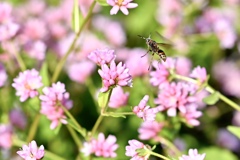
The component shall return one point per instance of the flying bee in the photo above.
(153, 47)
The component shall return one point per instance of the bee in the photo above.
(153, 47)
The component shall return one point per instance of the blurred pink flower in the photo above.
(51, 100)
(183, 66)
(79, 72)
(123, 5)
(18, 118)
(138, 66)
(193, 155)
(31, 152)
(102, 56)
(170, 14)
(8, 30)
(111, 31)
(225, 33)
(101, 147)
(6, 133)
(174, 96)
(5, 12)
(27, 83)
(199, 73)
(35, 29)
(145, 112)
(118, 98)
(115, 75)
(199, 98)
(36, 7)
(228, 74)
(36, 49)
(149, 129)
(131, 150)
(160, 76)
(3, 75)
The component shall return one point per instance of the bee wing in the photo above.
(164, 38)
(166, 45)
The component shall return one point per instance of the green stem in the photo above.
(80, 129)
(33, 128)
(20, 61)
(114, 114)
(210, 90)
(170, 145)
(71, 48)
(99, 120)
(158, 155)
(74, 136)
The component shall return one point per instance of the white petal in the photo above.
(114, 10)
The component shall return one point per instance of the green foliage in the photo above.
(218, 153)
(211, 99)
(234, 130)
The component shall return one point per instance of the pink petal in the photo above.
(111, 2)
(131, 5)
(114, 10)
(124, 10)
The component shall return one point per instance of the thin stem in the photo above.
(74, 136)
(99, 120)
(114, 114)
(166, 142)
(20, 61)
(80, 129)
(33, 128)
(211, 90)
(71, 48)
(158, 155)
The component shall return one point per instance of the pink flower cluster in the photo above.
(114, 75)
(27, 84)
(8, 28)
(177, 97)
(54, 97)
(31, 152)
(118, 98)
(192, 155)
(101, 147)
(150, 129)
(102, 56)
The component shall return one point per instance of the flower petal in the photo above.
(114, 10)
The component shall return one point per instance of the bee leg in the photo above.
(145, 54)
(151, 61)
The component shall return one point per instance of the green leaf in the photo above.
(211, 99)
(218, 154)
(44, 74)
(103, 98)
(234, 130)
(102, 2)
(56, 130)
(77, 17)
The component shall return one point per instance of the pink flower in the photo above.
(102, 56)
(8, 30)
(6, 134)
(27, 84)
(160, 76)
(192, 155)
(118, 98)
(79, 72)
(51, 100)
(183, 66)
(174, 96)
(5, 12)
(145, 112)
(123, 5)
(36, 49)
(31, 152)
(131, 150)
(115, 75)
(149, 129)
(101, 147)
(190, 114)
(199, 73)
(3, 75)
